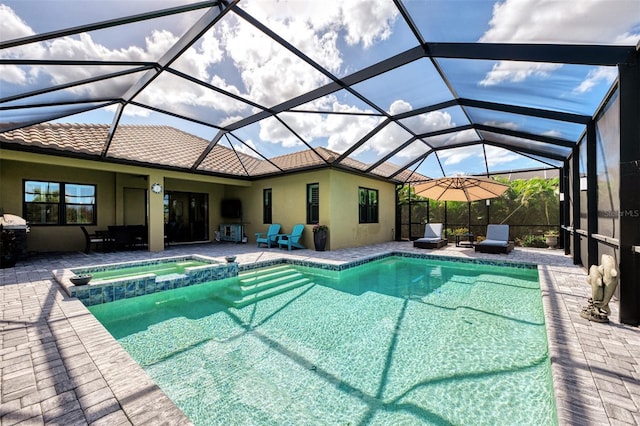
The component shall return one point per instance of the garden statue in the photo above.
(603, 280)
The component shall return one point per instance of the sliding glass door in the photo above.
(186, 216)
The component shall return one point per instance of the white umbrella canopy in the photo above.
(460, 188)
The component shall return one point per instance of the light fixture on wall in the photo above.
(562, 196)
(156, 188)
(583, 183)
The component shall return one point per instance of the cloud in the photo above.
(502, 124)
(553, 133)
(367, 21)
(583, 22)
(420, 124)
(456, 156)
(12, 26)
(247, 147)
(450, 139)
(516, 72)
(496, 156)
(272, 74)
(346, 130)
(341, 131)
(132, 110)
(600, 74)
(260, 69)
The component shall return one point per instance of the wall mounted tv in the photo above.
(231, 209)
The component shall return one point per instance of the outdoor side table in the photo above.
(465, 240)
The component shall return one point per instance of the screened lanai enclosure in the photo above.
(402, 91)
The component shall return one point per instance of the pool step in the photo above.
(254, 286)
(250, 279)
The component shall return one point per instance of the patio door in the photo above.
(186, 216)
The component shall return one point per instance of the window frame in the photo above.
(62, 205)
(367, 212)
(313, 208)
(267, 206)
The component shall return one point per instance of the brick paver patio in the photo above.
(58, 365)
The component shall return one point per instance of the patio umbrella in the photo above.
(461, 188)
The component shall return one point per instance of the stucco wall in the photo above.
(110, 189)
(338, 207)
(346, 231)
(338, 201)
(55, 238)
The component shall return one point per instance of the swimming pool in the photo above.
(395, 341)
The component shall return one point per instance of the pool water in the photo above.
(164, 268)
(396, 341)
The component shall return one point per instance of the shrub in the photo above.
(533, 241)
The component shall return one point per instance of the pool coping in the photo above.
(372, 258)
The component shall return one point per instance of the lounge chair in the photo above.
(497, 240)
(432, 237)
(269, 238)
(292, 240)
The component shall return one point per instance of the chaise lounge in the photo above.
(497, 240)
(432, 237)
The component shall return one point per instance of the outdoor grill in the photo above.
(18, 225)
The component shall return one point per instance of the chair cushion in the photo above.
(429, 240)
(433, 230)
(488, 242)
(498, 232)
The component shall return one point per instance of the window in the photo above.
(266, 206)
(368, 208)
(55, 203)
(313, 203)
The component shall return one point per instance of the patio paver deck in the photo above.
(58, 365)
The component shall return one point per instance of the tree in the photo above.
(533, 195)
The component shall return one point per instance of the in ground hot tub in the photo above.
(117, 281)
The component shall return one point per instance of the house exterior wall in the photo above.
(289, 203)
(50, 237)
(338, 196)
(348, 232)
(338, 200)
(110, 180)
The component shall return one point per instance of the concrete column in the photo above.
(156, 212)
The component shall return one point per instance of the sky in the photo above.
(343, 37)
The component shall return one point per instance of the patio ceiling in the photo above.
(395, 89)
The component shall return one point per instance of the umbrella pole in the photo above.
(469, 221)
(445, 218)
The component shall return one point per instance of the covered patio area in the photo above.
(59, 364)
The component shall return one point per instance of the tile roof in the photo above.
(168, 146)
(81, 138)
(164, 145)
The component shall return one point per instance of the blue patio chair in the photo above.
(269, 238)
(292, 240)
(497, 240)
